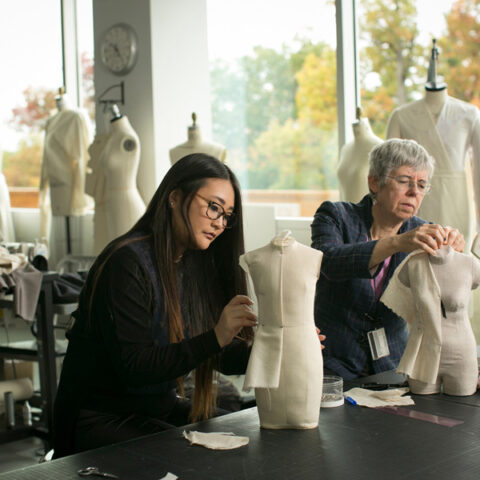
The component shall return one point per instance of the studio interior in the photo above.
(240, 239)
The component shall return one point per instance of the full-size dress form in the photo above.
(7, 232)
(95, 186)
(286, 363)
(119, 160)
(65, 156)
(353, 166)
(448, 129)
(432, 292)
(196, 144)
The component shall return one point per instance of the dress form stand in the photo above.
(196, 144)
(286, 363)
(449, 129)
(62, 181)
(353, 165)
(432, 292)
(114, 161)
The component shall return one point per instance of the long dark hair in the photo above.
(213, 276)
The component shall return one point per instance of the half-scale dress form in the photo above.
(286, 363)
(431, 293)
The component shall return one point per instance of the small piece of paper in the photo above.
(216, 440)
(382, 398)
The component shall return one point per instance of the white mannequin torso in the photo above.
(196, 144)
(441, 348)
(284, 275)
(353, 166)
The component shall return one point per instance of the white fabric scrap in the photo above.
(169, 476)
(382, 398)
(216, 440)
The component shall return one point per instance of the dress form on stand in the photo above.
(449, 129)
(196, 144)
(64, 164)
(353, 165)
(114, 161)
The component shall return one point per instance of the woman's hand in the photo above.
(454, 238)
(236, 315)
(320, 337)
(428, 237)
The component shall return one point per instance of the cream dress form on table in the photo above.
(7, 232)
(353, 166)
(449, 129)
(95, 186)
(65, 156)
(120, 160)
(432, 292)
(195, 144)
(286, 363)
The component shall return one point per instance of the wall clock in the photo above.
(119, 49)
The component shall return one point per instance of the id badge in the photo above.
(378, 343)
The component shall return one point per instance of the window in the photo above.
(395, 40)
(274, 105)
(36, 74)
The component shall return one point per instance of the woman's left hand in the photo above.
(454, 238)
(320, 337)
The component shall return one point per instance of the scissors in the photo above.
(85, 472)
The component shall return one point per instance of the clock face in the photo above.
(119, 49)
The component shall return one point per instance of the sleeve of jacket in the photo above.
(336, 232)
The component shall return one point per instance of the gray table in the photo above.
(351, 443)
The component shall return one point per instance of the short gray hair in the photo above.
(395, 153)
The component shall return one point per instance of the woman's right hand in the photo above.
(428, 237)
(236, 315)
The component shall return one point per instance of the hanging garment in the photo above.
(62, 178)
(432, 294)
(449, 140)
(286, 364)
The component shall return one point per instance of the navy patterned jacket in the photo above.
(345, 304)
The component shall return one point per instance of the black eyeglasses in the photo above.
(405, 182)
(215, 211)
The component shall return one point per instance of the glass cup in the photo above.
(332, 395)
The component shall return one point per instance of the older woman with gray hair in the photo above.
(362, 244)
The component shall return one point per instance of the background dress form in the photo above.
(120, 159)
(286, 364)
(95, 186)
(432, 293)
(195, 144)
(7, 232)
(353, 166)
(64, 163)
(449, 139)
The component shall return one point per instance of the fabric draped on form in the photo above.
(449, 140)
(432, 294)
(286, 366)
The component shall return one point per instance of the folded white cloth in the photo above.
(216, 440)
(381, 398)
(169, 476)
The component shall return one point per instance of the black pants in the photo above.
(98, 429)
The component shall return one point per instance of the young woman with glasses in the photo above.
(165, 298)
(362, 244)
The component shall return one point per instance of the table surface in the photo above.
(351, 442)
